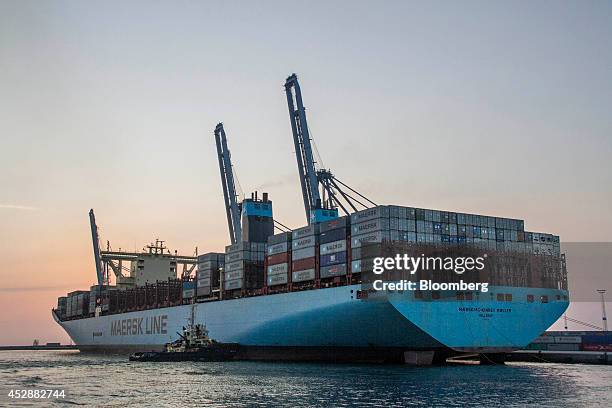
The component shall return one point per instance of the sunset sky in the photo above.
(496, 108)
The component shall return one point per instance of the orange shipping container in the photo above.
(278, 258)
(308, 263)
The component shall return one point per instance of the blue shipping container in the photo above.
(189, 285)
(333, 235)
(333, 259)
(597, 339)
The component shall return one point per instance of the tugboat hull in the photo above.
(218, 352)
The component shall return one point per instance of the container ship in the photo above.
(307, 294)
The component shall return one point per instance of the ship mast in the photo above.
(192, 314)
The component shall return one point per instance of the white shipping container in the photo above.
(564, 347)
(568, 339)
(544, 339)
(303, 276)
(203, 282)
(211, 256)
(238, 256)
(408, 236)
(402, 212)
(258, 246)
(374, 237)
(207, 265)
(240, 246)
(369, 226)
(278, 248)
(77, 306)
(80, 304)
(277, 280)
(278, 269)
(305, 231)
(232, 266)
(371, 213)
(304, 242)
(333, 247)
(278, 238)
(394, 223)
(333, 270)
(232, 284)
(303, 253)
(361, 265)
(233, 275)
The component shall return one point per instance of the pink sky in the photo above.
(501, 109)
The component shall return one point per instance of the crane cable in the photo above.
(318, 158)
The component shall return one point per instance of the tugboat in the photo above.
(193, 345)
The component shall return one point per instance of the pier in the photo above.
(41, 347)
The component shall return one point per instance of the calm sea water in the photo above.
(113, 381)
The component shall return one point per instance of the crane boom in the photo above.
(232, 207)
(96, 247)
(320, 206)
(303, 147)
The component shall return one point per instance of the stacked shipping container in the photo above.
(304, 253)
(77, 303)
(189, 290)
(208, 275)
(61, 305)
(573, 341)
(327, 250)
(430, 226)
(278, 259)
(334, 242)
(244, 266)
(368, 227)
(94, 295)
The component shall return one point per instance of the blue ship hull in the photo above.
(332, 323)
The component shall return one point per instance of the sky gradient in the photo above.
(497, 108)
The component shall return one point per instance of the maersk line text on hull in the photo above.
(134, 326)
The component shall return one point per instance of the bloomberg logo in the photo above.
(140, 325)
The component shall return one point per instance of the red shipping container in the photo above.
(302, 264)
(278, 258)
(597, 347)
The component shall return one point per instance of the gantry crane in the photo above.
(319, 206)
(95, 239)
(114, 259)
(232, 206)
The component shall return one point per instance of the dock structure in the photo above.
(586, 347)
(41, 347)
(564, 357)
